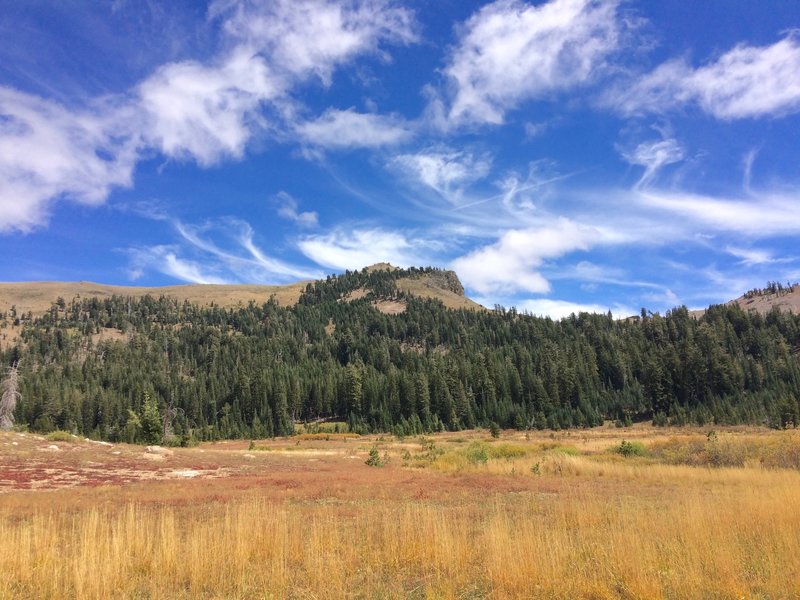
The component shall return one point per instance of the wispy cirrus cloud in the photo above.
(756, 256)
(766, 215)
(653, 155)
(219, 251)
(288, 208)
(444, 170)
(745, 82)
(348, 129)
(165, 259)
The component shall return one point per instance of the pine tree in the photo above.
(150, 420)
(354, 388)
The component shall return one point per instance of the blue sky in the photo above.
(560, 156)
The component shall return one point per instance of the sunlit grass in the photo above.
(562, 521)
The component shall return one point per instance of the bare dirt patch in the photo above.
(390, 307)
(29, 462)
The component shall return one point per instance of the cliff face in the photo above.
(446, 280)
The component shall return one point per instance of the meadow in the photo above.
(636, 512)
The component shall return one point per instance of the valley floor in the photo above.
(638, 512)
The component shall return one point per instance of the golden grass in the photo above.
(537, 518)
(578, 545)
(38, 296)
(423, 288)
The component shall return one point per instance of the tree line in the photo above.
(254, 371)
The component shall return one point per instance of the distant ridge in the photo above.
(37, 297)
(784, 298)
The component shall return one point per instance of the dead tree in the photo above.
(9, 394)
(167, 431)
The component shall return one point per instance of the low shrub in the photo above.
(628, 449)
(560, 449)
(60, 436)
(476, 453)
(375, 459)
(506, 451)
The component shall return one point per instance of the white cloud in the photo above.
(593, 273)
(753, 256)
(747, 168)
(351, 129)
(165, 260)
(763, 216)
(559, 309)
(206, 113)
(359, 248)
(521, 195)
(223, 251)
(665, 298)
(306, 38)
(652, 156)
(49, 152)
(448, 172)
(201, 111)
(745, 82)
(511, 264)
(252, 265)
(533, 130)
(288, 209)
(510, 52)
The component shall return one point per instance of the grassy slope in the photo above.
(37, 296)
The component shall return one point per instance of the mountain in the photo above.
(37, 297)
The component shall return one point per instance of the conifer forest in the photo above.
(189, 373)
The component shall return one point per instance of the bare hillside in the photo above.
(787, 300)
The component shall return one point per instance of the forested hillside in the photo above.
(209, 372)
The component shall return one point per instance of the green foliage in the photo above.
(150, 421)
(494, 429)
(375, 459)
(628, 449)
(132, 429)
(506, 451)
(476, 453)
(660, 419)
(253, 372)
(428, 453)
(60, 436)
(568, 450)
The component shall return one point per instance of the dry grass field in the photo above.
(669, 513)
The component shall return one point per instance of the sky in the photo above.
(560, 156)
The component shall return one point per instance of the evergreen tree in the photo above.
(150, 421)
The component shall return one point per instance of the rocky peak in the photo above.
(446, 280)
